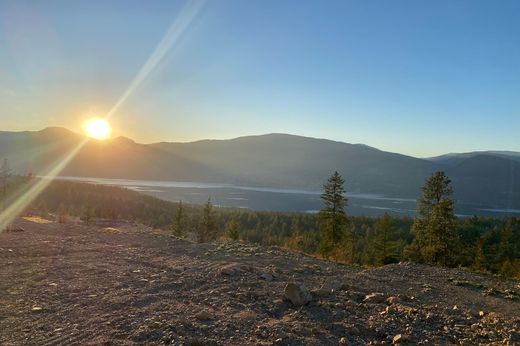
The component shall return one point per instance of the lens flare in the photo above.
(100, 128)
(97, 128)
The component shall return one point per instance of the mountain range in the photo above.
(490, 178)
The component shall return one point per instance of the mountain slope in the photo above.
(286, 160)
(487, 180)
(275, 160)
(456, 158)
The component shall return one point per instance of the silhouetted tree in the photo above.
(435, 227)
(179, 221)
(333, 219)
(206, 231)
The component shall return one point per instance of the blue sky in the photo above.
(416, 77)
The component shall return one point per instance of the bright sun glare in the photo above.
(97, 128)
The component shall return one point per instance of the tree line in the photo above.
(435, 236)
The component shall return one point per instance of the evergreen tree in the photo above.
(385, 243)
(88, 216)
(435, 227)
(207, 230)
(333, 219)
(232, 229)
(179, 222)
(62, 214)
(5, 174)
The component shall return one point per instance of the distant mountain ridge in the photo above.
(274, 160)
(456, 158)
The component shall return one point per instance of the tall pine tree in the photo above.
(435, 227)
(333, 219)
(386, 244)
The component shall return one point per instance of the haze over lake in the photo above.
(278, 199)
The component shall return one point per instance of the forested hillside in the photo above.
(483, 244)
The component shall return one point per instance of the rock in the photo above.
(514, 339)
(392, 300)
(266, 277)
(356, 296)
(297, 293)
(374, 298)
(204, 316)
(262, 332)
(231, 269)
(354, 330)
(398, 339)
(331, 285)
(319, 293)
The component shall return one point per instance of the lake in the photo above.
(278, 199)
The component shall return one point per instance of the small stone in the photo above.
(297, 293)
(397, 339)
(343, 341)
(266, 277)
(231, 269)
(227, 271)
(514, 339)
(203, 316)
(374, 298)
(392, 300)
(481, 314)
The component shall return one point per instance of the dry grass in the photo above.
(37, 219)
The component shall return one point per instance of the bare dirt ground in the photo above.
(73, 284)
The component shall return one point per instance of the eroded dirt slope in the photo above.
(72, 284)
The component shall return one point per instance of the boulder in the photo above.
(297, 293)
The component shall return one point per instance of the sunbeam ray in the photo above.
(177, 28)
(14, 209)
(175, 31)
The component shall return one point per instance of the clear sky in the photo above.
(416, 77)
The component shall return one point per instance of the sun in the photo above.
(97, 128)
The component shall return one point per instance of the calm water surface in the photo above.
(277, 199)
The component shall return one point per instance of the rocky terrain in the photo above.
(127, 284)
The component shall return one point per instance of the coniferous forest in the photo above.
(435, 236)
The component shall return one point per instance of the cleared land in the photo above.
(73, 284)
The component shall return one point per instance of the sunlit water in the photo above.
(277, 199)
